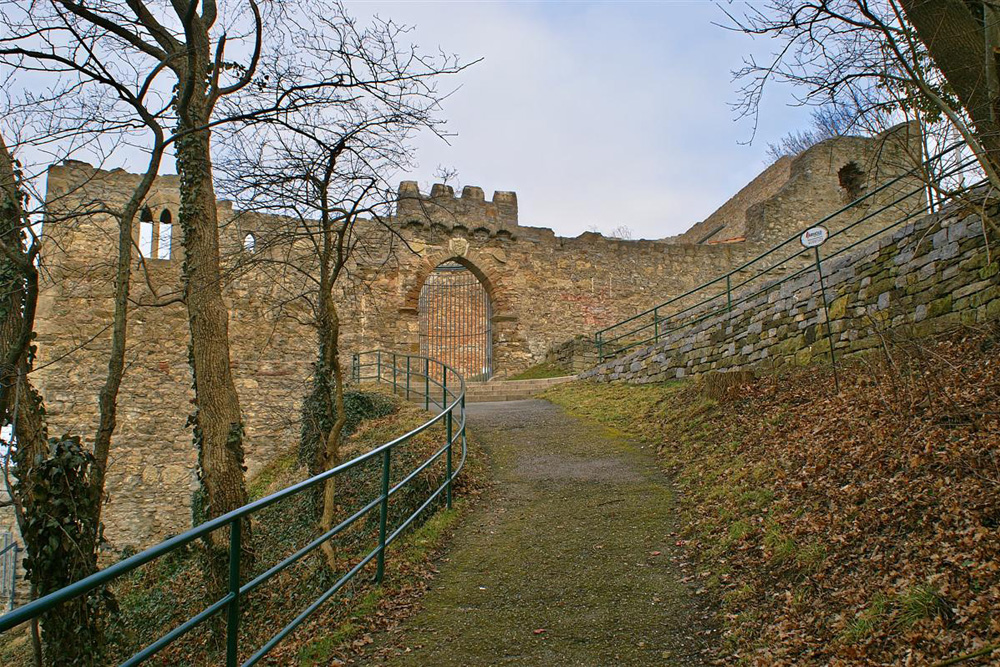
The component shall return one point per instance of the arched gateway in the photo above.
(455, 313)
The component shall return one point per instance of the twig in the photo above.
(986, 650)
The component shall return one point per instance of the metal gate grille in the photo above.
(455, 321)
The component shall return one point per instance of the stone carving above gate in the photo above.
(458, 246)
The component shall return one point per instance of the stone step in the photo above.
(495, 390)
(510, 390)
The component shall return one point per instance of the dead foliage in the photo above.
(859, 528)
(726, 387)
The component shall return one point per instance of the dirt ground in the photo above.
(570, 561)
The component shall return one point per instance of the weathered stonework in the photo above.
(795, 192)
(928, 275)
(544, 291)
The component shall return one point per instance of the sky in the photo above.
(597, 114)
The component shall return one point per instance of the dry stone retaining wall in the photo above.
(928, 275)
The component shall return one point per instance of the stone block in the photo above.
(939, 307)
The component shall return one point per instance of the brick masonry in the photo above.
(927, 276)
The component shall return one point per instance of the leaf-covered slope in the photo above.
(843, 529)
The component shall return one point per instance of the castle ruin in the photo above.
(538, 290)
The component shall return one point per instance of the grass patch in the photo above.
(167, 591)
(921, 602)
(781, 546)
(811, 557)
(863, 626)
(738, 530)
(542, 371)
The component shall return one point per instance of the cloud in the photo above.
(601, 114)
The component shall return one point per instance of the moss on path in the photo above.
(569, 562)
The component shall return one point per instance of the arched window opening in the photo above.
(852, 180)
(165, 236)
(250, 243)
(455, 321)
(146, 232)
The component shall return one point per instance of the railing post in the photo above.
(233, 612)
(13, 577)
(378, 364)
(427, 384)
(826, 311)
(393, 373)
(444, 386)
(600, 346)
(356, 368)
(464, 444)
(383, 518)
(656, 325)
(729, 295)
(407, 377)
(448, 425)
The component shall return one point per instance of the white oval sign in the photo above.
(814, 236)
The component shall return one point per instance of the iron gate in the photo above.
(455, 326)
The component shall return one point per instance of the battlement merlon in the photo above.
(441, 206)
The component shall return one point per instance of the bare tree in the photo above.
(623, 232)
(59, 490)
(83, 102)
(326, 169)
(826, 123)
(867, 57)
(178, 54)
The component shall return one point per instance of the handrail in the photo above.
(646, 329)
(452, 401)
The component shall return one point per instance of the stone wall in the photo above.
(927, 275)
(544, 290)
(796, 192)
(575, 355)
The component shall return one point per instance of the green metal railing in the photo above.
(450, 401)
(761, 274)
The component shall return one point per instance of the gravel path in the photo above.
(568, 562)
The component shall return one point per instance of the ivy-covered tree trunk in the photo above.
(61, 530)
(324, 415)
(218, 427)
(56, 502)
(330, 349)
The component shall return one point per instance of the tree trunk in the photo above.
(108, 398)
(20, 404)
(331, 449)
(958, 42)
(218, 428)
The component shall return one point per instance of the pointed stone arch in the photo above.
(455, 320)
(505, 328)
(471, 260)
